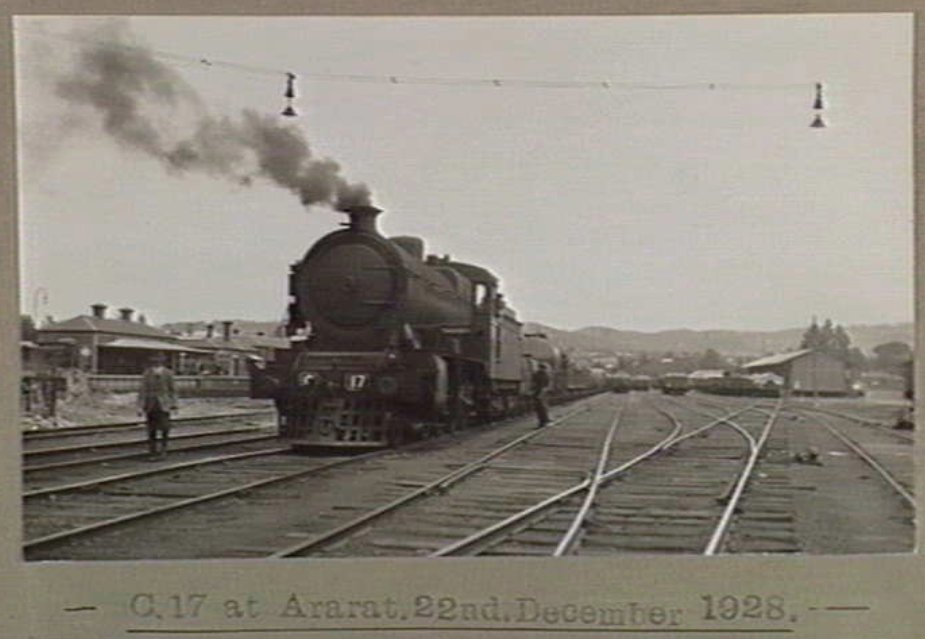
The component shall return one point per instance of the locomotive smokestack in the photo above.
(362, 217)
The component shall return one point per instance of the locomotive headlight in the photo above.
(387, 385)
(307, 379)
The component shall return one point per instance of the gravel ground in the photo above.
(847, 508)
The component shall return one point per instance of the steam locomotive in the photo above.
(389, 344)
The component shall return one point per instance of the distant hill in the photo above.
(604, 339)
(612, 340)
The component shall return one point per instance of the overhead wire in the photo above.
(399, 79)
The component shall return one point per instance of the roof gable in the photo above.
(88, 324)
(780, 358)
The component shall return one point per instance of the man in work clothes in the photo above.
(156, 398)
(539, 385)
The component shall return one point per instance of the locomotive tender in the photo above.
(388, 344)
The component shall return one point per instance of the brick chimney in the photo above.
(99, 311)
(226, 330)
(125, 314)
(210, 331)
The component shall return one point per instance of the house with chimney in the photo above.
(102, 345)
(230, 350)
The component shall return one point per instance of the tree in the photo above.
(856, 359)
(841, 343)
(892, 356)
(812, 337)
(832, 339)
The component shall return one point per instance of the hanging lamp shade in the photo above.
(818, 122)
(289, 94)
(818, 103)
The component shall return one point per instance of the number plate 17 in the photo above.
(356, 382)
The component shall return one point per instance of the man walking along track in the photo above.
(156, 398)
(539, 386)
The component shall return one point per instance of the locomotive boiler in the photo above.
(389, 343)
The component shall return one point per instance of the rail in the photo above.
(435, 487)
(486, 536)
(868, 459)
(571, 535)
(65, 535)
(756, 448)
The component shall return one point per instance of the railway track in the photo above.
(891, 462)
(850, 476)
(882, 424)
(565, 464)
(128, 498)
(106, 446)
(611, 525)
(91, 430)
(637, 473)
(68, 456)
(50, 479)
(554, 525)
(852, 483)
(540, 523)
(92, 516)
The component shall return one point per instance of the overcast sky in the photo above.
(655, 201)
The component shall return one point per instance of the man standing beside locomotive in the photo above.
(156, 398)
(539, 385)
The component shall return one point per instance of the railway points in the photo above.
(614, 474)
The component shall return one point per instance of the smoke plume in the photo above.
(139, 101)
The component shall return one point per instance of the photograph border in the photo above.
(824, 596)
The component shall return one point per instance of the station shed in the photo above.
(806, 372)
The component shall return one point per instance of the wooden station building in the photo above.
(806, 372)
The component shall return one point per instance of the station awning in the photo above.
(150, 345)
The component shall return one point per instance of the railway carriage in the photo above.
(738, 385)
(674, 383)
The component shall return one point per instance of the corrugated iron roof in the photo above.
(780, 358)
(218, 344)
(708, 373)
(88, 324)
(150, 344)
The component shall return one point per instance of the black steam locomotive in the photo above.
(389, 344)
